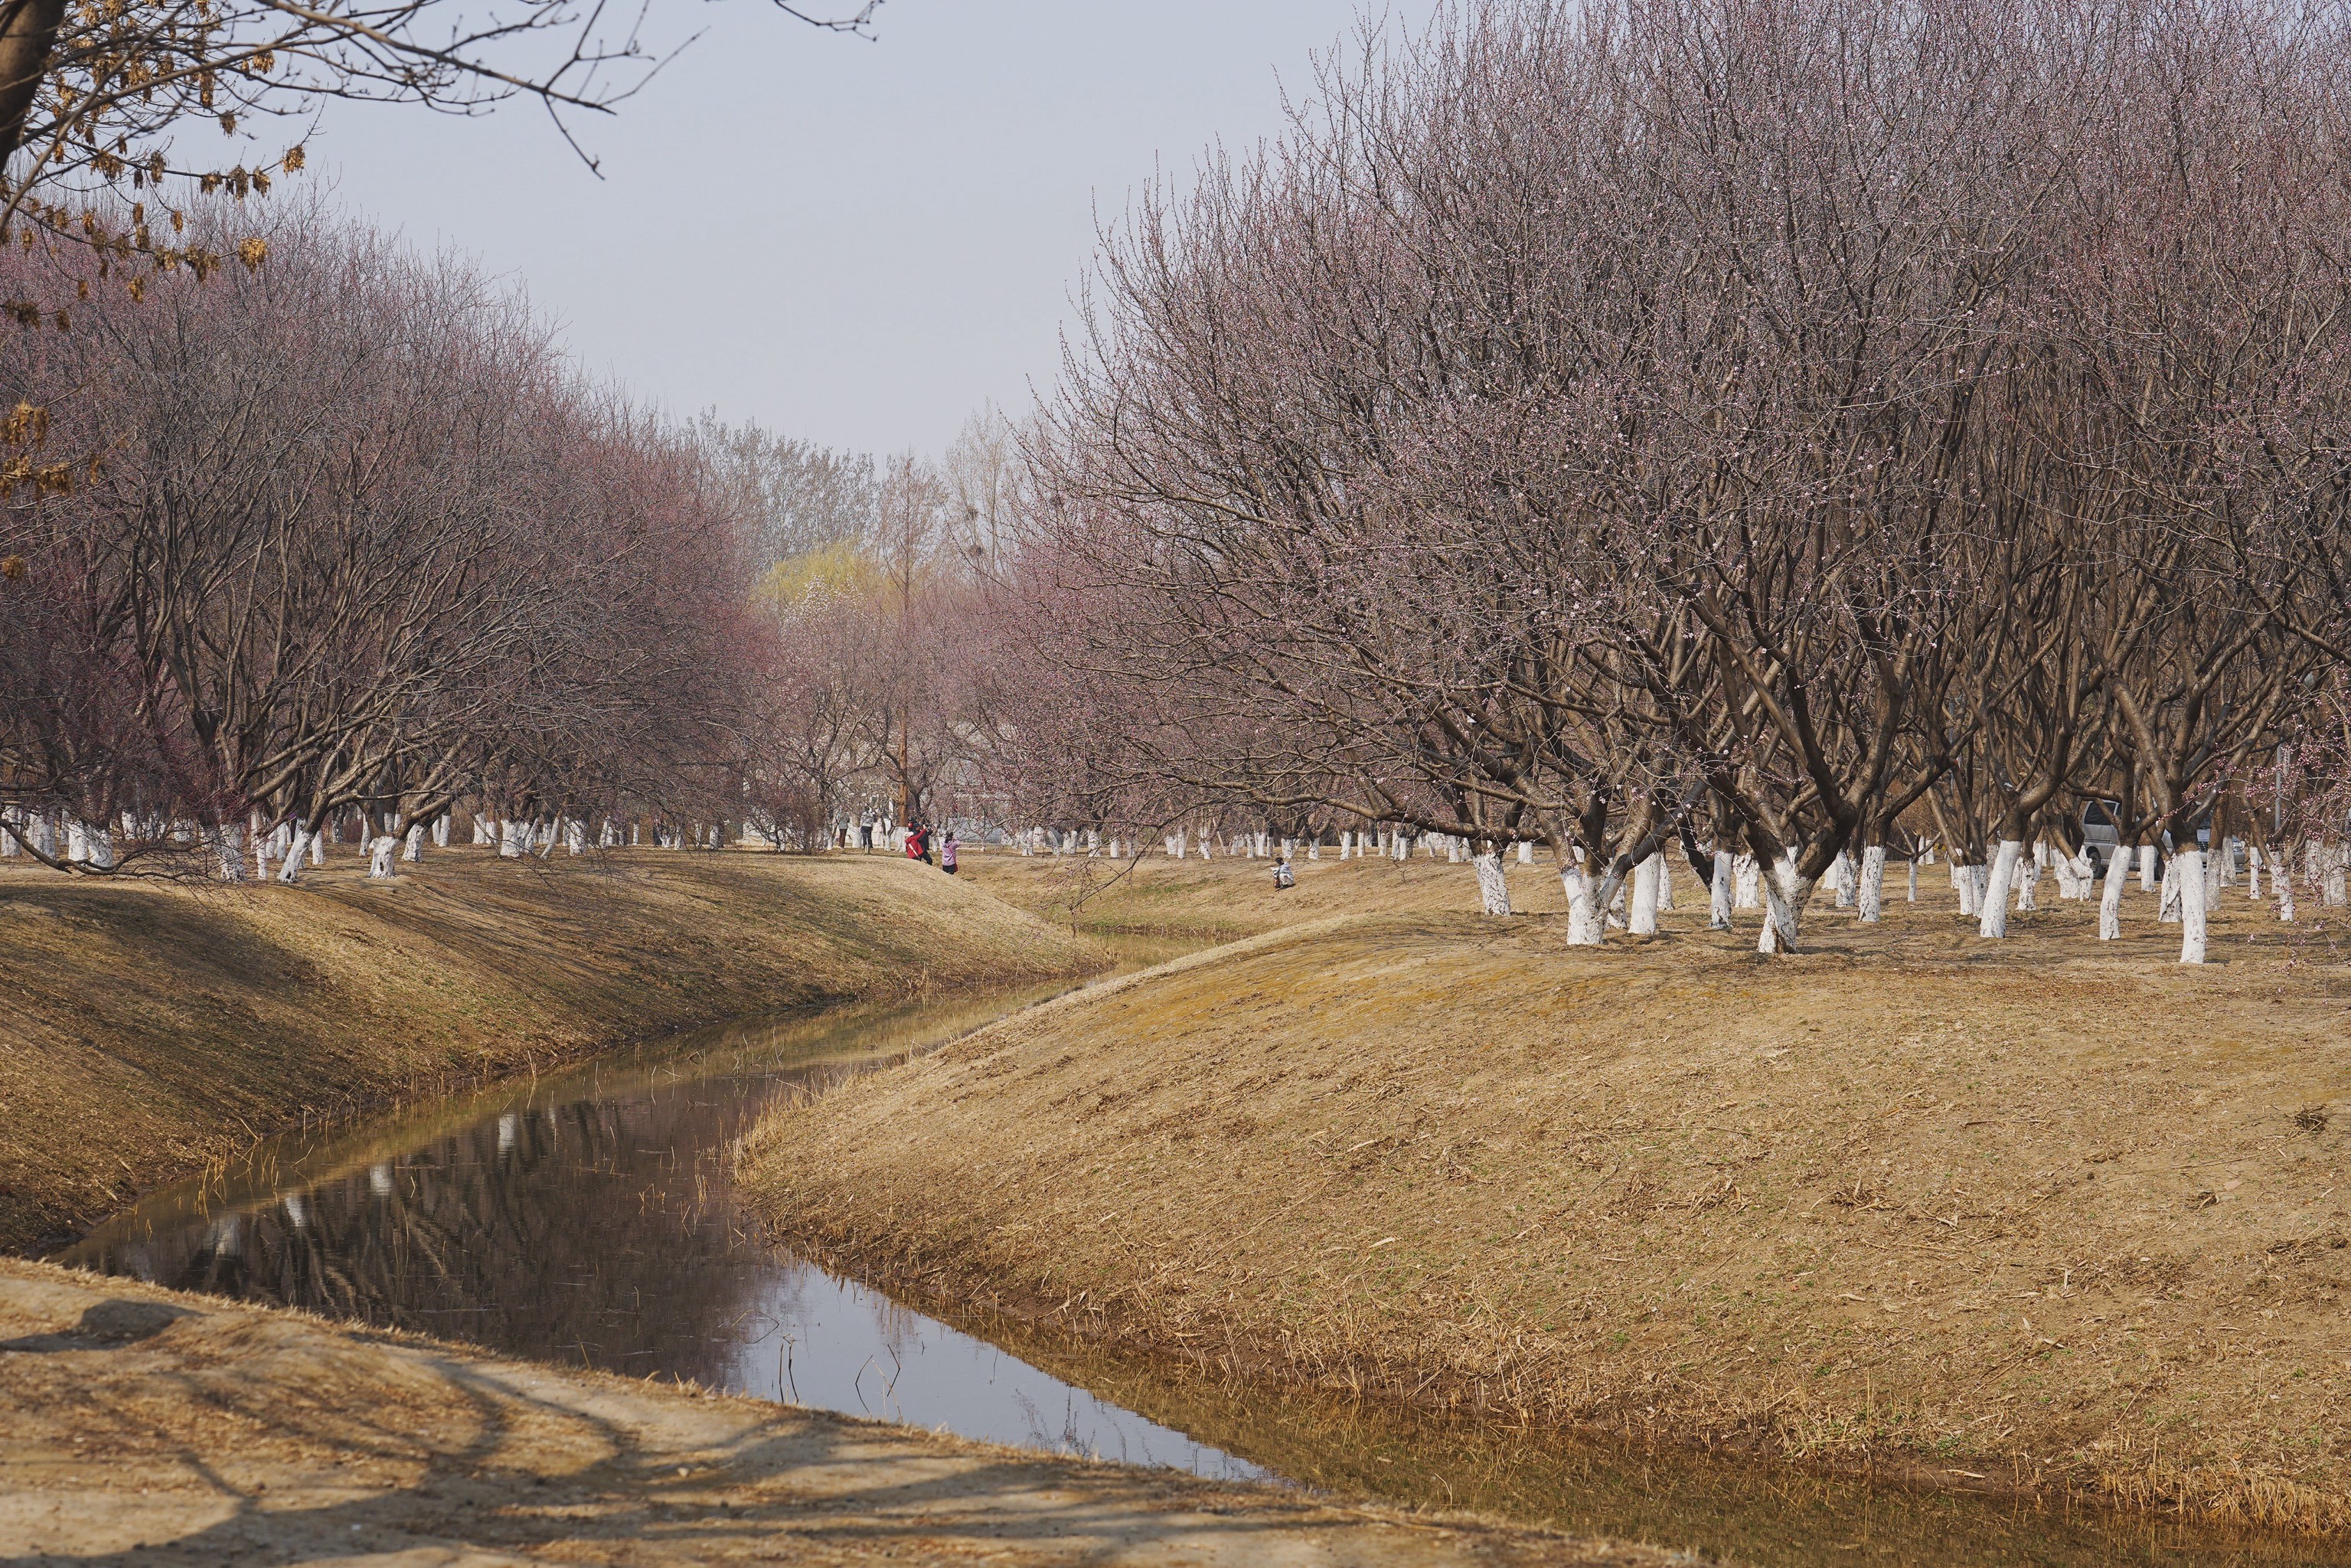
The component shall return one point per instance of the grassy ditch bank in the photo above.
(151, 1028)
(2050, 1215)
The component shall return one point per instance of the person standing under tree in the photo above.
(948, 854)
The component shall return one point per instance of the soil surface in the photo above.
(151, 1028)
(138, 1426)
(2047, 1214)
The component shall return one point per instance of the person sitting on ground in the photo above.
(948, 854)
(1282, 876)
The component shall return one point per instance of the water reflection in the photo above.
(591, 1218)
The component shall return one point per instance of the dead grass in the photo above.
(2050, 1214)
(1225, 898)
(150, 1028)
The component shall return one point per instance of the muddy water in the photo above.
(590, 1218)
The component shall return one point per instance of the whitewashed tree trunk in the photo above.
(289, 870)
(1586, 927)
(2215, 861)
(1526, 854)
(1911, 866)
(2331, 892)
(1745, 877)
(1493, 887)
(2110, 899)
(2167, 912)
(414, 850)
(2252, 873)
(317, 847)
(226, 842)
(1963, 883)
(509, 839)
(575, 836)
(1314, 848)
(441, 831)
(1784, 893)
(1872, 897)
(76, 841)
(482, 834)
(1643, 918)
(1841, 880)
(1718, 916)
(2192, 908)
(2229, 848)
(2146, 868)
(2281, 878)
(379, 858)
(1664, 883)
(1992, 915)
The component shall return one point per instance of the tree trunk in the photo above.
(380, 851)
(226, 842)
(1841, 879)
(1493, 887)
(2146, 868)
(2192, 905)
(2110, 899)
(1642, 921)
(1745, 876)
(1911, 865)
(1664, 883)
(413, 853)
(2168, 913)
(1872, 897)
(1586, 927)
(509, 839)
(25, 44)
(1718, 916)
(290, 871)
(1991, 920)
(1784, 893)
(441, 831)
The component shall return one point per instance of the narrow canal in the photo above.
(589, 1217)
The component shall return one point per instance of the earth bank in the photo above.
(2051, 1214)
(141, 1425)
(152, 1029)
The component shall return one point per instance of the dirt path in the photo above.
(139, 1425)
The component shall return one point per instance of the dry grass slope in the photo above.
(150, 1028)
(2048, 1213)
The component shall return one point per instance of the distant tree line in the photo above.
(1766, 433)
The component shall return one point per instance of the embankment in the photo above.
(2048, 1213)
(137, 1425)
(149, 1028)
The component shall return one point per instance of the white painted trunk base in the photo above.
(1493, 887)
(1642, 920)
(2110, 899)
(1871, 896)
(2192, 905)
(381, 851)
(1718, 914)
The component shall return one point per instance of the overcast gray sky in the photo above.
(857, 243)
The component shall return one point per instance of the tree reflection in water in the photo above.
(592, 1220)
